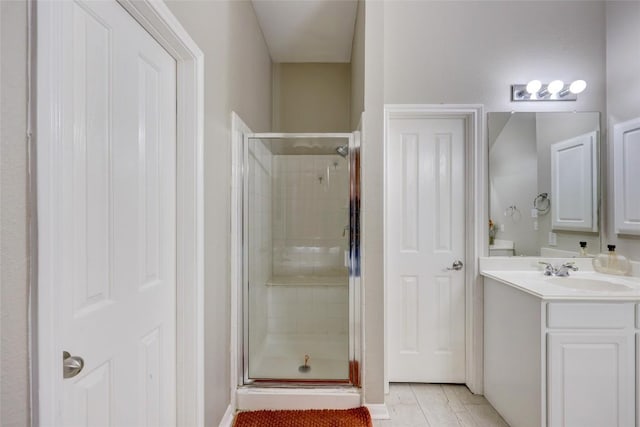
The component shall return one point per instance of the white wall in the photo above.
(237, 78)
(14, 210)
(472, 51)
(357, 68)
(372, 227)
(623, 99)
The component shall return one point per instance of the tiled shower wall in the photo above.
(260, 238)
(306, 309)
(310, 213)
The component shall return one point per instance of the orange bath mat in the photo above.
(357, 417)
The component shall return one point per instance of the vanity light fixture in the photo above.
(557, 90)
(530, 89)
(534, 86)
(550, 90)
(555, 86)
(575, 87)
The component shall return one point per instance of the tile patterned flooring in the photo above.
(438, 405)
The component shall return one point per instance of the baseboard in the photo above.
(378, 411)
(227, 419)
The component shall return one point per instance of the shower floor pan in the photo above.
(282, 355)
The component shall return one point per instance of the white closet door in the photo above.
(425, 235)
(113, 220)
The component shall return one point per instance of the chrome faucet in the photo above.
(562, 271)
(548, 268)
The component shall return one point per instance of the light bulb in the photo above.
(533, 86)
(555, 86)
(578, 86)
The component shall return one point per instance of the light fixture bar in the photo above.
(519, 94)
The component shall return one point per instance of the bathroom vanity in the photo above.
(560, 351)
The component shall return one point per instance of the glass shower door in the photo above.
(297, 245)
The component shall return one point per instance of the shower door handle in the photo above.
(457, 265)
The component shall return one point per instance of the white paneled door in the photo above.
(425, 249)
(115, 210)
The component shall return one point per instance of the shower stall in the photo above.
(300, 260)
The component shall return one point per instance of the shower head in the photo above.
(343, 150)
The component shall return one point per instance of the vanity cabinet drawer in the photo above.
(590, 315)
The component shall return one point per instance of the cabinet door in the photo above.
(626, 155)
(574, 183)
(591, 379)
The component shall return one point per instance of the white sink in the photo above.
(584, 284)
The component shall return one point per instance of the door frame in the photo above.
(239, 131)
(476, 218)
(156, 18)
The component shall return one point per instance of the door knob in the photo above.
(457, 265)
(71, 365)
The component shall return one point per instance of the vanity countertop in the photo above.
(560, 288)
(527, 275)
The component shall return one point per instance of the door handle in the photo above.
(71, 365)
(457, 265)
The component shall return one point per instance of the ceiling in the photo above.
(307, 30)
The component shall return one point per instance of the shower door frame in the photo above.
(355, 285)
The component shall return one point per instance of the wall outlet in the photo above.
(534, 213)
(535, 225)
(553, 241)
(501, 227)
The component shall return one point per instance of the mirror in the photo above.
(543, 183)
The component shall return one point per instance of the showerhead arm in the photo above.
(343, 150)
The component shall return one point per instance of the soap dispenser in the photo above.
(611, 262)
(583, 249)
